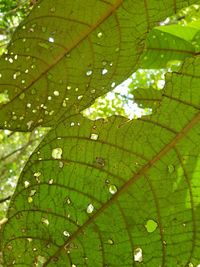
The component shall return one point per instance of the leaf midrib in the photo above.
(132, 180)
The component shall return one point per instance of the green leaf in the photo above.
(168, 43)
(67, 53)
(148, 98)
(90, 193)
(186, 33)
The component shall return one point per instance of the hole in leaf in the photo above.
(107, 181)
(138, 255)
(66, 233)
(89, 72)
(99, 34)
(32, 193)
(39, 261)
(22, 96)
(94, 136)
(4, 98)
(80, 97)
(56, 93)
(164, 243)
(51, 39)
(57, 153)
(151, 226)
(67, 201)
(100, 162)
(112, 189)
(90, 208)
(50, 181)
(30, 199)
(37, 174)
(29, 124)
(26, 184)
(16, 74)
(45, 221)
(61, 164)
(104, 71)
(110, 242)
(113, 85)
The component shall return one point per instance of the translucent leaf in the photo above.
(67, 53)
(128, 197)
(166, 44)
(148, 98)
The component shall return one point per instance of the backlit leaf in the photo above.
(168, 43)
(120, 193)
(67, 53)
(149, 98)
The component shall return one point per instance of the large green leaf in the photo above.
(101, 193)
(66, 53)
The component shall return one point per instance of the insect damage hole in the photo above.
(138, 255)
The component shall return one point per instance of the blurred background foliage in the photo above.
(12, 13)
(15, 147)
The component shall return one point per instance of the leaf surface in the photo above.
(67, 53)
(148, 98)
(114, 193)
(168, 43)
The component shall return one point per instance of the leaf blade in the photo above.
(127, 173)
(45, 82)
